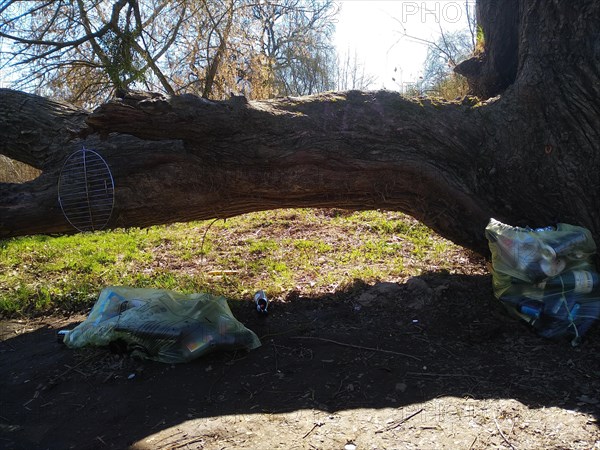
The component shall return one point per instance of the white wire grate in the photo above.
(86, 190)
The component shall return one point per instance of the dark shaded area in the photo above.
(465, 342)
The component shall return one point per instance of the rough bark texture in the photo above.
(490, 72)
(528, 157)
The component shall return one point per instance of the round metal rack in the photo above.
(86, 190)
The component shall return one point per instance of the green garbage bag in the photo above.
(162, 325)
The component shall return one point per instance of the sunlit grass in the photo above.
(12, 171)
(312, 251)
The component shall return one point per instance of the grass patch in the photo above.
(311, 251)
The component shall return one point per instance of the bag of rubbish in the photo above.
(546, 276)
(161, 325)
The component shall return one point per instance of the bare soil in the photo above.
(433, 362)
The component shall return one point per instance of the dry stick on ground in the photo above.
(12, 349)
(193, 440)
(431, 374)
(360, 347)
(400, 422)
(317, 424)
(473, 443)
(54, 379)
(75, 369)
(503, 435)
(340, 387)
(275, 353)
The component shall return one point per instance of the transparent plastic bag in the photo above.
(546, 276)
(162, 325)
(534, 255)
(555, 314)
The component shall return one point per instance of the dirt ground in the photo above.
(431, 363)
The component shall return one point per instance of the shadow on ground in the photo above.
(375, 347)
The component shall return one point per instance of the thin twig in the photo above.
(203, 238)
(110, 375)
(439, 375)
(473, 443)
(340, 387)
(249, 392)
(223, 272)
(503, 435)
(360, 347)
(194, 440)
(265, 336)
(275, 352)
(53, 380)
(161, 422)
(317, 424)
(6, 343)
(81, 372)
(400, 422)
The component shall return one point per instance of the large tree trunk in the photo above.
(528, 156)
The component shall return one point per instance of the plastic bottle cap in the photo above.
(531, 311)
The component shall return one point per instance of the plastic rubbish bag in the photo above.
(546, 276)
(161, 325)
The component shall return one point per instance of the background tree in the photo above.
(82, 51)
(351, 73)
(444, 53)
(296, 40)
(85, 51)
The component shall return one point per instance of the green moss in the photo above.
(480, 40)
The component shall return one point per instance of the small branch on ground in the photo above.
(317, 424)
(359, 347)
(503, 435)
(400, 422)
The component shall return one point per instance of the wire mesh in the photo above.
(86, 190)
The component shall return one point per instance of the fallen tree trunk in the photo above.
(527, 157)
(354, 150)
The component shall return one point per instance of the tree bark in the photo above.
(491, 71)
(527, 157)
